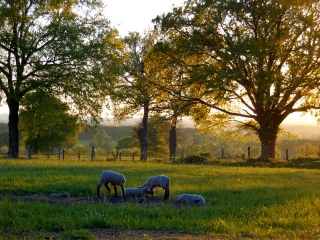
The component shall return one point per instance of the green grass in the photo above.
(262, 203)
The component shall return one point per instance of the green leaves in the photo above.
(262, 56)
(45, 122)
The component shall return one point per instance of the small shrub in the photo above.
(194, 159)
(207, 155)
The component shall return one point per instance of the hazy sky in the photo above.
(136, 15)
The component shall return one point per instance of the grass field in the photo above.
(260, 203)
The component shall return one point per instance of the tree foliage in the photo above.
(256, 61)
(62, 46)
(102, 140)
(45, 122)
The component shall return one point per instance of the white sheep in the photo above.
(159, 181)
(138, 192)
(114, 179)
(192, 198)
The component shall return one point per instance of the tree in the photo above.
(46, 123)
(4, 138)
(102, 140)
(254, 60)
(58, 46)
(127, 142)
(307, 150)
(133, 93)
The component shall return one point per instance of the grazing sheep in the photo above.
(159, 181)
(114, 179)
(192, 198)
(138, 192)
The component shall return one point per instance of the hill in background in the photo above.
(303, 131)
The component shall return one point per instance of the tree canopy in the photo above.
(45, 122)
(59, 46)
(257, 61)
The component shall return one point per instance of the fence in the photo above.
(117, 154)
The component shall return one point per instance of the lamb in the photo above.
(138, 192)
(114, 179)
(159, 181)
(192, 198)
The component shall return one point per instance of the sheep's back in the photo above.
(112, 177)
(157, 181)
(192, 198)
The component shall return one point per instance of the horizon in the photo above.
(295, 120)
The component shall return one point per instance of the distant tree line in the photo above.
(110, 140)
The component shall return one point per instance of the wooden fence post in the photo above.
(58, 153)
(249, 152)
(92, 153)
(28, 151)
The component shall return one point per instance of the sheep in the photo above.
(114, 179)
(138, 192)
(192, 198)
(159, 181)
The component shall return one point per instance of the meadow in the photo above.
(242, 202)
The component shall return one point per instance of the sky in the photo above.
(136, 15)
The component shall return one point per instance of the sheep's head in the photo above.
(149, 190)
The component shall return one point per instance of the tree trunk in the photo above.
(268, 136)
(173, 139)
(142, 133)
(13, 128)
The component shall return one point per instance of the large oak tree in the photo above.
(54, 45)
(255, 60)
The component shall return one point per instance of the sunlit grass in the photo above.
(261, 203)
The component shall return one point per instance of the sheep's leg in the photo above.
(166, 193)
(115, 190)
(107, 186)
(98, 190)
(122, 189)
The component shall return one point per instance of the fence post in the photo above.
(287, 154)
(249, 152)
(58, 153)
(144, 154)
(63, 154)
(120, 155)
(132, 157)
(29, 151)
(79, 155)
(92, 153)
(222, 153)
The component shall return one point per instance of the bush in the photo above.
(194, 159)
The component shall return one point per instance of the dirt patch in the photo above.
(157, 235)
(66, 199)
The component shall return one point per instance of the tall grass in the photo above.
(262, 203)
